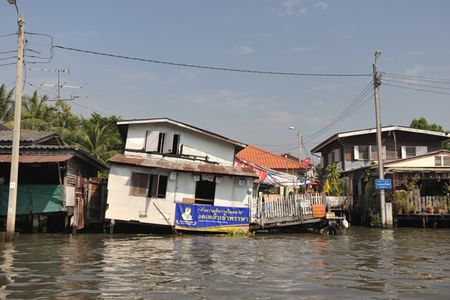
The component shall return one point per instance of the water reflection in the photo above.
(363, 263)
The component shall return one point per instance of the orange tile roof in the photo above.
(266, 159)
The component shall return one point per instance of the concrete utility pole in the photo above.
(13, 184)
(299, 143)
(376, 85)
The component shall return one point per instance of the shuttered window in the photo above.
(139, 184)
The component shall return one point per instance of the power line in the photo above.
(418, 78)
(10, 51)
(211, 67)
(418, 84)
(416, 89)
(352, 107)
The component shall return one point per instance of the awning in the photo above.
(34, 158)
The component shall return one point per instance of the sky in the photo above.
(292, 36)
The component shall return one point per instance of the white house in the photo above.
(174, 174)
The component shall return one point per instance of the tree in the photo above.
(99, 136)
(6, 104)
(422, 123)
(36, 114)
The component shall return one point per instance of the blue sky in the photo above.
(303, 36)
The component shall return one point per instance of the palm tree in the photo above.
(97, 138)
(36, 114)
(6, 104)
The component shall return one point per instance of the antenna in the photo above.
(59, 85)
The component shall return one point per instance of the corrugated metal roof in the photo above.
(26, 135)
(51, 150)
(266, 159)
(29, 159)
(183, 166)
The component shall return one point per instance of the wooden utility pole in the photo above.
(13, 184)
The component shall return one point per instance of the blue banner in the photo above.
(211, 218)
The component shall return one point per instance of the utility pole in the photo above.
(376, 85)
(13, 184)
(299, 143)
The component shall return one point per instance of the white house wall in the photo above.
(124, 207)
(193, 143)
(229, 188)
(230, 191)
(428, 162)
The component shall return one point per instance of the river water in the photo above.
(362, 263)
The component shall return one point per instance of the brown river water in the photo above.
(362, 263)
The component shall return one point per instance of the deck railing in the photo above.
(430, 204)
(295, 206)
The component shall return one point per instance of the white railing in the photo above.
(295, 206)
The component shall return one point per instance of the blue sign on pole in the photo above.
(383, 184)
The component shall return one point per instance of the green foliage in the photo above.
(370, 193)
(334, 180)
(400, 202)
(375, 218)
(422, 123)
(6, 104)
(238, 233)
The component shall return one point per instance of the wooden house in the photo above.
(407, 153)
(175, 175)
(58, 186)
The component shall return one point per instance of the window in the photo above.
(205, 191)
(154, 141)
(442, 161)
(138, 184)
(175, 144)
(374, 152)
(157, 186)
(141, 186)
(361, 152)
(411, 151)
(334, 156)
(161, 142)
(368, 152)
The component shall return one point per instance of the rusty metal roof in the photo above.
(183, 166)
(30, 158)
(53, 150)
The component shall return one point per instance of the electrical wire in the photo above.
(416, 89)
(418, 84)
(210, 67)
(9, 57)
(44, 59)
(351, 108)
(8, 64)
(10, 51)
(8, 34)
(417, 78)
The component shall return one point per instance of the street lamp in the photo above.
(13, 183)
(299, 143)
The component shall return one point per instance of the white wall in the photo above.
(122, 206)
(193, 143)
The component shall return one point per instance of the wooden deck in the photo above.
(295, 210)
